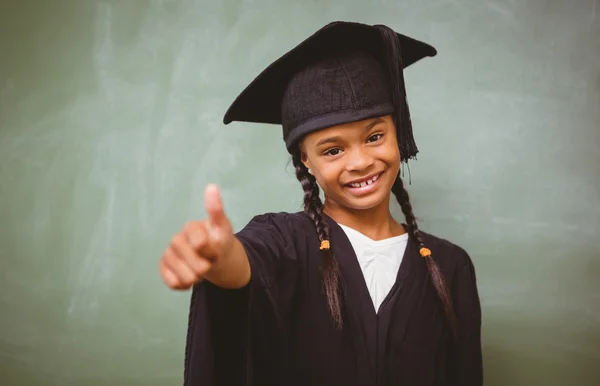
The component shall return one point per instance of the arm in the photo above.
(232, 270)
(225, 326)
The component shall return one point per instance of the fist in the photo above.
(193, 252)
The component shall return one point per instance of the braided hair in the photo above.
(433, 268)
(313, 207)
(330, 269)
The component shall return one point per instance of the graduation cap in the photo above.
(345, 72)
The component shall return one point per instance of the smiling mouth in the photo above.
(364, 183)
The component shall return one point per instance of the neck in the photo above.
(376, 223)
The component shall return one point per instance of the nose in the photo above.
(359, 160)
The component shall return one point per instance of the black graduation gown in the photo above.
(278, 331)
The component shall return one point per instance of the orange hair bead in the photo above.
(324, 245)
(425, 252)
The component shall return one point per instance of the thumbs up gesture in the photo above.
(201, 247)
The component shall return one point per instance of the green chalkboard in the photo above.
(110, 128)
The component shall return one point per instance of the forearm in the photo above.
(232, 270)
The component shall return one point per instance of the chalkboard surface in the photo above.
(110, 128)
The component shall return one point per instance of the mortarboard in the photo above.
(345, 72)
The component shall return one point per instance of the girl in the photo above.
(341, 293)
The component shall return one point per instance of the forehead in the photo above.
(347, 130)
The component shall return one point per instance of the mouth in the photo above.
(364, 185)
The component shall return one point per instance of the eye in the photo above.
(375, 137)
(333, 152)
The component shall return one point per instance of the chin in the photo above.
(366, 203)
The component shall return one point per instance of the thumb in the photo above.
(214, 208)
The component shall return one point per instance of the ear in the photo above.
(304, 157)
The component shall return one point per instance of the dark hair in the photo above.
(313, 207)
(330, 269)
(433, 268)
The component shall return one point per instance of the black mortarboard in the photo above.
(345, 72)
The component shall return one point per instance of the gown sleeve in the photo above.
(466, 355)
(218, 345)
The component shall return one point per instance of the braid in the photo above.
(434, 270)
(313, 207)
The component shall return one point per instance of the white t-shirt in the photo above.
(379, 261)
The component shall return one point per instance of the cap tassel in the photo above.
(395, 69)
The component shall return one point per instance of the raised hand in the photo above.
(193, 252)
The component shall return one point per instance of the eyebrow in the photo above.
(337, 138)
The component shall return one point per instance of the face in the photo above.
(355, 164)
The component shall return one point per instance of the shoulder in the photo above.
(287, 225)
(454, 261)
(283, 219)
(449, 255)
(276, 235)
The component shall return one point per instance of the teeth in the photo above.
(365, 183)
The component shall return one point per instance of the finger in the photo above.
(177, 265)
(168, 276)
(196, 234)
(214, 207)
(196, 262)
